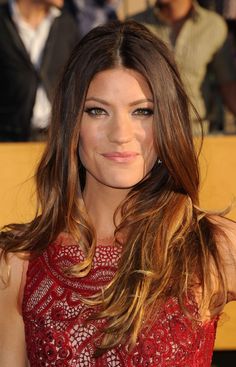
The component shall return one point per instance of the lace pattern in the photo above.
(58, 332)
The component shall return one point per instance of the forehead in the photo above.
(117, 81)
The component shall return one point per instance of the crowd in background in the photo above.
(37, 37)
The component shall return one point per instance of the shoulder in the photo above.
(5, 15)
(66, 26)
(11, 273)
(226, 244)
(227, 231)
(12, 337)
(212, 21)
(146, 16)
(66, 18)
(210, 15)
(4, 8)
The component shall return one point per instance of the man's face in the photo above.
(57, 3)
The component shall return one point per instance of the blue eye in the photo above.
(95, 111)
(143, 112)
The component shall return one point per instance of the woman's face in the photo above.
(116, 136)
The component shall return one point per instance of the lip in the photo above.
(120, 156)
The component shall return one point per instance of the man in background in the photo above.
(198, 38)
(36, 38)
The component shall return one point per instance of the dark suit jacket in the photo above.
(18, 77)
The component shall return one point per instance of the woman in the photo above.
(124, 269)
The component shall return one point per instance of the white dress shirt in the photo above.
(34, 40)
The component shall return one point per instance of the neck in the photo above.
(101, 203)
(33, 11)
(176, 11)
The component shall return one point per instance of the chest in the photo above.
(61, 331)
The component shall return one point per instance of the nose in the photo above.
(121, 129)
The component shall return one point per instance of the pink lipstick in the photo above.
(120, 157)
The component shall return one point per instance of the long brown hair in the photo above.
(169, 242)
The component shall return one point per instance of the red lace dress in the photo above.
(56, 332)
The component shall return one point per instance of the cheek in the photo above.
(84, 143)
(86, 138)
(148, 145)
(89, 143)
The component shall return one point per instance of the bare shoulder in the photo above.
(11, 272)
(12, 338)
(226, 243)
(226, 236)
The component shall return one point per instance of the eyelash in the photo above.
(95, 111)
(98, 111)
(143, 112)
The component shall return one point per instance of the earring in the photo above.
(159, 161)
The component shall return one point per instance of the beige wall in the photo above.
(218, 171)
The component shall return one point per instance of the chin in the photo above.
(123, 184)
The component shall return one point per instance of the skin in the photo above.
(116, 142)
(174, 10)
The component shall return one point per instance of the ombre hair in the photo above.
(168, 241)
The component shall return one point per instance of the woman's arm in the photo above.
(12, 337)
(227, 248)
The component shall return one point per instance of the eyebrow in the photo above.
(100, 100)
